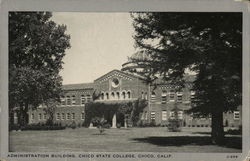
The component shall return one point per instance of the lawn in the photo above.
(151, 139)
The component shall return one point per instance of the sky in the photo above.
(100, 42)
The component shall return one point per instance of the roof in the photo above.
(187, 78)
(78, 86)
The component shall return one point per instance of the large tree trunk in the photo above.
(217, 127)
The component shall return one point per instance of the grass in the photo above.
(155, 139)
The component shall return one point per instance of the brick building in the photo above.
(119, 86)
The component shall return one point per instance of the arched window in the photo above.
(102, 96)
(142, 95)
(123, 95)
(107, 96)
(118, 95)
(129, 94)
(112, 95)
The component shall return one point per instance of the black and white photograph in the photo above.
(151, 81)
(131, 85)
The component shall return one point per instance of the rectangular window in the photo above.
(180, 114)
(32, 116)
(172, 96)
(192, 96)
(179, 97)
(88, 98)
(153, 97)
(73, 100)
(152, 116)
(40, 116)
(45, 116)
(63, 101)
(73, 116)
(58, 116)
(63, 116)
(83, 116)
(68, 116)
(83, 100)
(164, 115)
(142, 116)
(172, 115)
(164, 97)
(236, 115)
(68, 100)
(146, 115)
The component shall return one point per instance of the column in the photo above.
(114, 121)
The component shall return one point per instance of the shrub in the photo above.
(174, 125)
(73, 125)
(118, 125)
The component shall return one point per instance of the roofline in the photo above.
(119, 72)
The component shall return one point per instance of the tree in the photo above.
(209, 44)
(36, 48)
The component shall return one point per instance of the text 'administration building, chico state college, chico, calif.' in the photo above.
(119, 86)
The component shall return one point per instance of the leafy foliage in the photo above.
(202, 43)
(36, 48)
(102, 110)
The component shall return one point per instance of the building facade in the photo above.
(119, 86)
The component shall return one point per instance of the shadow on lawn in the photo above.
(230, 142)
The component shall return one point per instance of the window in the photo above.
(102, 96)
(73, 116)
(142, 116)
(180, 114)
(172, 115)
(107, 96)
(83, 116)
(83, 100)
(63, 116)
(146, 115)
(129, 95)
(112, 95)
(123, 95)
(32, 116)
(192, 96)
(236, 115)
(88, 98)
(153, 96)
(40, 116)
(118, 95)
(58, 116)
(63, 102)
(142, 95)
(146, 96)
(68, 100)
(68, 116)
(179, 97)
(44, 116)
(164, 97)
(171, 95)
(152, 116)
(73, 100)
(164, 115)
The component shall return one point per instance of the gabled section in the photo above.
(117, 73)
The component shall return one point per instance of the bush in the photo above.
(174, 125)
(73, 125)
(118, 125)
(41, 127)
